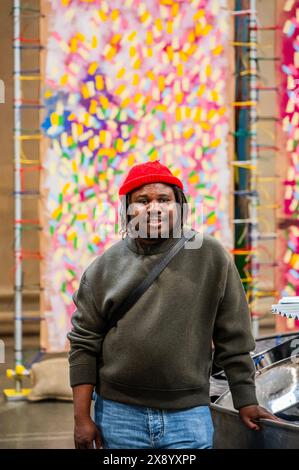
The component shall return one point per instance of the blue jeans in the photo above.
(136, 427)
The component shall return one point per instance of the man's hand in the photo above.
(250, 415)
(85, 433)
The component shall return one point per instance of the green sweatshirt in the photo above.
(159, 354)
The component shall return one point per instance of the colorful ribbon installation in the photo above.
(126, 82)
(290, 121)
(252, 230)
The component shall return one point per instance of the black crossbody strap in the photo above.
(148, 280)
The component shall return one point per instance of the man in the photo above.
(151, 371)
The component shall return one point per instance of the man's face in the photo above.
(154, 209)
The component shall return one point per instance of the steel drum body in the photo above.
(231, 433)
(277, 382)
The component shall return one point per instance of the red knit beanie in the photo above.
(145, 173)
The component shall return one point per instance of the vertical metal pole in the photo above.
(17, 189)
(253, 154)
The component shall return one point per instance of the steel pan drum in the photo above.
(277, 389)
(264, 343)
(277, 382)
(269, 351)
(276, 353)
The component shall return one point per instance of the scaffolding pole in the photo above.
(253, 154)
(17, 190)
(19, 371)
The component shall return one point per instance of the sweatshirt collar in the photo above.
(162, 246)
